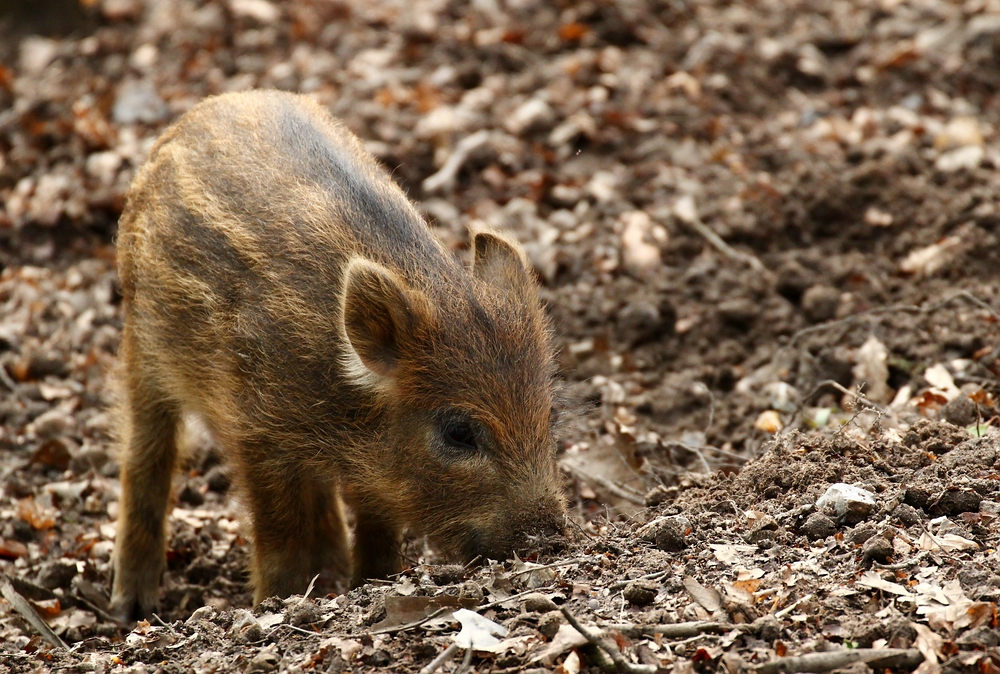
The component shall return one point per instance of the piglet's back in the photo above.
(238, 230)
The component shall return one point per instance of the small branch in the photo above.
(621, 663)
(553, 565)
(694, 222)
(28, 612)
(466, 662)
(415, 623)
(656, 575)
(604, 483)
(6, 380)
(816, 663)
(513, 597)
(445, 176)
(675, 631)
(443, 657)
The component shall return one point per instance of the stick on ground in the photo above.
(827, 661)
(28, 612)
(621, 663)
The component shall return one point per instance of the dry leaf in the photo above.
(707, 597)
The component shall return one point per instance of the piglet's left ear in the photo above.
(500, 261)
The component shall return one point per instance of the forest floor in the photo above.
(767, 235)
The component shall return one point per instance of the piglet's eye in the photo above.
(459, 434)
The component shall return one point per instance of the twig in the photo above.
(294, 628)
(445, 176)
(616, 489)
(6, 380)
(621, 663)
(415, 623)
(858, 396)
(694, 222)
(896, 308)
(466, 661)
(28, 612)
(443, 657)
(904, 564)
(512, 597)
(656, 575)
(674, 631)
(553, 565)
(814, 663)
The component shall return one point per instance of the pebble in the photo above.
(851, 504)
(907, 514)
(955, 501)
(820, 303)
(877, 549)
(960, 411)
(57, 574)
(641, 592)
(818, 526)
(264, 661)
(968, 157)
(549, 623)
(667, 533)
(539, 603)
(138, 101)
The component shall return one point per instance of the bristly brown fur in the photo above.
(278, 284)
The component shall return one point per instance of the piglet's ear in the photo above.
(499, 261)
(379, 313)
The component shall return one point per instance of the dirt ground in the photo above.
(767, 235)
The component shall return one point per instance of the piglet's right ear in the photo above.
(499, 261)
(379, 312)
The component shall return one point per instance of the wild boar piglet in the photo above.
(277, 284)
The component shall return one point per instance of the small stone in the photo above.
(641, 592)
(52, 424)
(918, 496)
(877, 549)
(955, 501)
(768, 628)
(245, 628)
(968, 157)
(981, 637)
(818, 526)
(202, 613)
(861, 534)
(851, 504)
(446, 574)
(531, 114)
(549, 624)
(538, 603)
(138, 102)
(660, 494)
(667, 533)
(304, 613)
(264, 661)
(57, 574)
(960, 410)
(907, 514)
(820, 303)
(764, 529)
(379, 658)
(641, 322)
(740, 312)
(593, 604)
